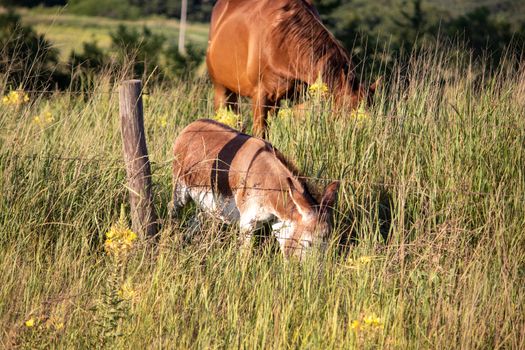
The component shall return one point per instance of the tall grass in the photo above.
(433, 191)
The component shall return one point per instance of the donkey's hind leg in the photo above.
(180, 198)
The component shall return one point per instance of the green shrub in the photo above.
(27, 59)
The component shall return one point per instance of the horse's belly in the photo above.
(233, 59)
(231, 72)
(223, 208)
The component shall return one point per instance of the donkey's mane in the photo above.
(300, 28)
(293, 169)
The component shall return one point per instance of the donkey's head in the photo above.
(311, 222)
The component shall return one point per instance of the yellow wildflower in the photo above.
(109, 244)
(285, 113)
(30, 322)
(54, 323)
(360, 262)
(365, 259)
(368, 325)
(163, 121)
(119, 239)
(49, 117)
(126, 292)
(15, 98)
(318, 88)
(110, 234)
(228, 117)
(373, 321)
(43, 119)
(360, 114)
(130, 237)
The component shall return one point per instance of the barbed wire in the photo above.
(208, 101)
(217, 171)
(303, 105)
(299, 243)
(161, 164)
(295, 243)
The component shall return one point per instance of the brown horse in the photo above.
(239, 178)
(266, 49)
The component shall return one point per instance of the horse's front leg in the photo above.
(261, 106)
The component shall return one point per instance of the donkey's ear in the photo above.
(330, 196)
(297, 194)
(376, 85)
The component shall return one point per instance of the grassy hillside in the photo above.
(436, 168)
(68, 32)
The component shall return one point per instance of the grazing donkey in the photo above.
(269, 49)
(239, 178)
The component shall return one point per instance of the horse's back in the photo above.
(246, 45)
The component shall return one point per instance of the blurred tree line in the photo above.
(377, 33)
(28, 60)
(198, 10)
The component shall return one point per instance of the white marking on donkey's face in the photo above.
(298, 238)
(283, 231)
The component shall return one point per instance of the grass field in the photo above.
(437, 167)
(69, 31)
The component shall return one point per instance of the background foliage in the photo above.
(377, 33)
(433, 187)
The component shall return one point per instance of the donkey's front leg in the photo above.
(247, 227)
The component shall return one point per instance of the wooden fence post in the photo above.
(138, 170)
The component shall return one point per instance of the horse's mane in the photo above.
(301, 28)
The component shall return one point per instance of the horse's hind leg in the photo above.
(224, 97)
